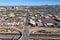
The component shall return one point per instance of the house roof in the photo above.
(48, 21)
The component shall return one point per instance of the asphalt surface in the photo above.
(25, 33)
(9, 36)
(44, 36)
(15, 36)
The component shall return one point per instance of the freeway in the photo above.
(9, 36)
(15, 36)
(44, 36)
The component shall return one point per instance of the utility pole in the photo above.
(25, 33)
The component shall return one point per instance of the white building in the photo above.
(50, 24)
(2, 9)
(11, 15)
(32, 22)
(12, 23)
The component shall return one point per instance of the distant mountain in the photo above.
(46, 6)
(41, 6)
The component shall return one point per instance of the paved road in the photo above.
(44, 36)
(9, 36)
(25, 33)
(15, 36)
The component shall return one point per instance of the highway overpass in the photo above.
(15, 36)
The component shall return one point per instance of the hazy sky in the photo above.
(29, 2)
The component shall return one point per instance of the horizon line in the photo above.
(27, 5)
